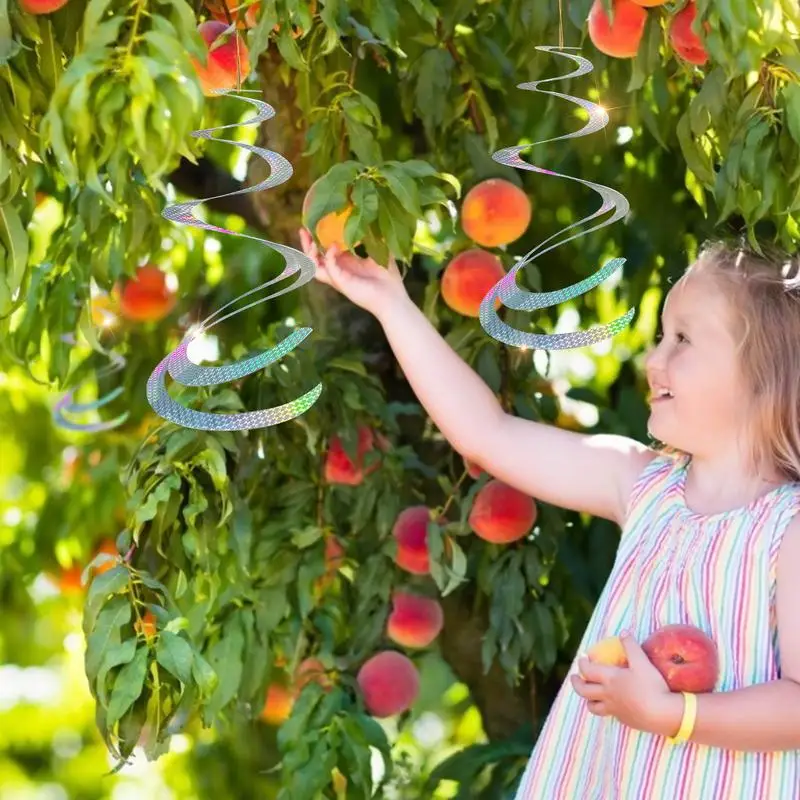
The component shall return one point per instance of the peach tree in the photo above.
(310, 590)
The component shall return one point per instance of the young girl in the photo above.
(710, 531)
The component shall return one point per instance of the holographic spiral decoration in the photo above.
(177, 363)
(506, 289)
(66, 405)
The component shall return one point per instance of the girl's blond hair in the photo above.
(764, 292)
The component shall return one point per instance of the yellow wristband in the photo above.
(689, 717)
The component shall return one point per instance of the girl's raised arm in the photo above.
(582, 472)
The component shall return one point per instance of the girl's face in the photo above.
(698, 396)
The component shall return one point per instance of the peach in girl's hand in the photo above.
(685, 656)
(608, 651)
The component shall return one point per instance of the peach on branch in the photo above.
(146, 626)
(389, 683)
(495, 212)
(148, 296)
(686, 43)
(227, 62)
(330, 229)
(411, 533)
(621, 37)
(415, 621)
(339, 468)
(42, 6)
(468, 278)
(502, 514)
(685, 656)
(277, 704)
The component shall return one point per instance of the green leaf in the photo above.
(434, 80)
(176, 655)
(204, 676)
(365, 211)
(115, 656)
(402, 187)
(15, 243)
(127, 687)
(291, 53)
(107, 583)
(105, 634)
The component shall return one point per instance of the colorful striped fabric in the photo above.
(716, 572)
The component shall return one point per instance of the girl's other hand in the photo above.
(361, 280)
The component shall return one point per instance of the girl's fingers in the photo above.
(598, 708)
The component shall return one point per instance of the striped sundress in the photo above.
(716, 572)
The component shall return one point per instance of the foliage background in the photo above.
(229, 528)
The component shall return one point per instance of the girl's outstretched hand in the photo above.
(361, 280)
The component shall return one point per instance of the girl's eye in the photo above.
(681, 337)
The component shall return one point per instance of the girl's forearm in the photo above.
(458, 401)
(765, 717)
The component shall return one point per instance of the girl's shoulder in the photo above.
(650, 470)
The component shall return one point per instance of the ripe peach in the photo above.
(685, 656)
(620, 38)
(330, 229)
(410, 531)
(338, 466)
(227, 64)
(389, 682)
(502, 514)
(415, 621)
(650, 3)
(686, 43)
(468, 278)
(495, 212)
(608, 651)
(147, 298)
(42, 6)
(277, 705)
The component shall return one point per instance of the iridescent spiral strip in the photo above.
(177, 363)
(66, 405)
(506, 289)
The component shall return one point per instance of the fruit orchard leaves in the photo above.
(402, 186)
(365, 211)
(105, 634)
(434, 80)
(116, 656)
(226, 659)
(147, 507)
(331, 191)
(790, 95)
(128, 686)
(176, 655)
(13, 256)
(397, 225)
(648, 57)
(289, 50)
(101, 588)
(385, 20)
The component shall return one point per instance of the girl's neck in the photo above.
(723, 482)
